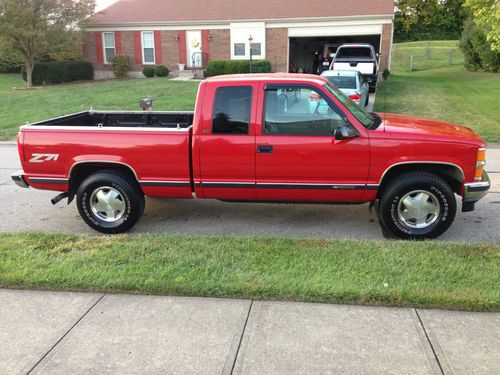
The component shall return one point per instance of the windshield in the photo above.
(364, 52)
(346, 82)
(361, 115)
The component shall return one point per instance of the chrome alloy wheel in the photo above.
(418, 209)
(107, 204)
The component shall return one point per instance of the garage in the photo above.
(309, 46)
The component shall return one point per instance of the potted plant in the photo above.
(181, 66)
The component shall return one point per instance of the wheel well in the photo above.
(81, 171)
(452, 174)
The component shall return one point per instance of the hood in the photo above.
(413, 126)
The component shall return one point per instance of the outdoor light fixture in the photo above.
(177, 37)
(210, 37)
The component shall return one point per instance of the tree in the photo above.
(36, 28)
(487, 15)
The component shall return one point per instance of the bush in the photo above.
(477, 49)
(149, 71)
(61, 71)
(120, 66)
(161, 71)
(385, 74)
(217, 68)
(10, 62)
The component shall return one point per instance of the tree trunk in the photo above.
(29, 74)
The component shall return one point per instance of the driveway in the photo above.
(31, 210)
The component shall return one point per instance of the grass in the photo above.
(441, 91)
(21, 106)
(423, 274)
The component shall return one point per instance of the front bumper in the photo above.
(18, 178)
(474, 191)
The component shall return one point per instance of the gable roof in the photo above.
(176, 11)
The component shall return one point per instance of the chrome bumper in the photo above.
(18, 178)
(474, 191)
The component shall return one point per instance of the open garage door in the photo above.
(308, 52)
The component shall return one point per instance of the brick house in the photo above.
(289, 33)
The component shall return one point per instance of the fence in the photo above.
(427, 55)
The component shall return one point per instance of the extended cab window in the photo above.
(232, 108)
(300, 111)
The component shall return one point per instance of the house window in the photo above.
(109, 47)
(256, 49)
(148, 47)
(239, 49)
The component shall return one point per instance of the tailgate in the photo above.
(365, 68)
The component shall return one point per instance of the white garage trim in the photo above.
(318, 31)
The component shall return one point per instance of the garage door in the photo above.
(334, 30)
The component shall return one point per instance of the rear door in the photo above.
(227, 142)
(298, 157)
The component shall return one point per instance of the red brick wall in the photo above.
(277, 48)
(385, 47)
(220, 45)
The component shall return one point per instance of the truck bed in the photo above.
(123, 119)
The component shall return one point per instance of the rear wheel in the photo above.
(110, 202)
(417, 206)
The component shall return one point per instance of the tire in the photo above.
(417, 206)
(110, 202)
(367, 100)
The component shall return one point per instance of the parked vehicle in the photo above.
(351, 83)
(361, 57)
(242, 143)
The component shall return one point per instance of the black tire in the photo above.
(392, 209)
(129, 193)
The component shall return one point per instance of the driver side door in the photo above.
(297, 155)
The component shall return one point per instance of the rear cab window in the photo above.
(347, 52)
(232, 110)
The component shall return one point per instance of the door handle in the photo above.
(264, 149)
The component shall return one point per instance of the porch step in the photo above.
(188, 74)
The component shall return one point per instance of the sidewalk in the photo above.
(63, 333)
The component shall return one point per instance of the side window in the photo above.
(232, 108)
(300, 111)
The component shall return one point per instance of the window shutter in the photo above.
(118, 42)
(98, 47)
(158, 47)
(204, 41)
(182, 47)
(138, 47)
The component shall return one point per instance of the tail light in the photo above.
(355, 97)
(314, 96)
(20, 145)
(480, 163)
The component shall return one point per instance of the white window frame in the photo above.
(104, 45)
(142, 48)
(241, 31)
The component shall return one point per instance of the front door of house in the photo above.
(193, 48)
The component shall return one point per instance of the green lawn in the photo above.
(20, 106)
(394, 273)
(441, 91)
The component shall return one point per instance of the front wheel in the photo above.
(110, 202)
(417, 206)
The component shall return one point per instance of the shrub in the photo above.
(149, 71)
(161, 71)
(120, 66)
(216, 68)
(61, 71)
(10, 62)
(477, 49)
(385, 74)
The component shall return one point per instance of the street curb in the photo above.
(8, 143)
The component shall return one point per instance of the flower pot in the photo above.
(181, 66)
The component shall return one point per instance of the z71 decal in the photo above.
(40, 158)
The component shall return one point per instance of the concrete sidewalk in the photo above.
(68, 333)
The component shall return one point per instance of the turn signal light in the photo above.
(480, 163)
(20, 146)
(355, 97)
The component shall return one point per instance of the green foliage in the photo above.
(10, 62)
(428, 20)
(61, 71)
(36, 29)
(386, 73)
(120, 66)
(161, 71)
(149, 71)
(477, 49)
(216, 68)
(487, 15)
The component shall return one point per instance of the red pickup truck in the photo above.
(258, 138)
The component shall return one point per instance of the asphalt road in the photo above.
(31, 210)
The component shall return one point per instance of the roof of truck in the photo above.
(268, 77)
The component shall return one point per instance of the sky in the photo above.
(101, 4)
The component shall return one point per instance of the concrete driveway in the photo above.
(31, 210)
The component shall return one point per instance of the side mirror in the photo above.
(332, 55)
(347, 131)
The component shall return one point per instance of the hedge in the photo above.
(220, 67)
(10, 63)
(61, 71)
(161, 71)
(149, 71)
